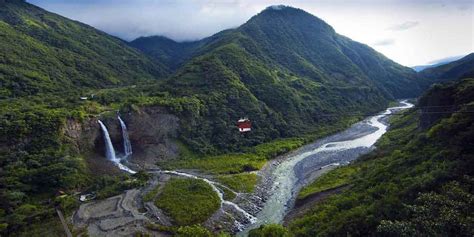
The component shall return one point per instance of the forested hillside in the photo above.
(44, 52)
(419, 180)
(289, 72)
(284, 69)
(462, 68)
(165, 50)
(293, 41)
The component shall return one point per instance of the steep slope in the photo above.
(168, 51)
(44, 52)
(171, 53)
(461, 68)
(437, 63)
(418, 182)
(289, 72)
(308, 46)
(300, 43)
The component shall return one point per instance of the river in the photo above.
(286, 177)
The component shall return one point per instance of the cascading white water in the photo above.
(213, 184)
(127, 146)
(110, 151)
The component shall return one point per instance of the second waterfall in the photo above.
(110, 151)
(127, 146)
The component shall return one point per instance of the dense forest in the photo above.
(294, 84)
(418, 182)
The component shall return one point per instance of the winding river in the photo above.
(286, 177)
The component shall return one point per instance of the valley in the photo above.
(140, 137)
(273, 197)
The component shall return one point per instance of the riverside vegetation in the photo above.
(417, 182)
(295, 84)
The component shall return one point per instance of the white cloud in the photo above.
(404, 26)
(384, 42)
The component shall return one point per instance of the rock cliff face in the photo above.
(152, 131)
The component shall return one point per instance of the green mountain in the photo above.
(44, 52)
(294, 41)
(418, 182)
(286, 70)
(462, 68)
(289, 72)
(165, 50)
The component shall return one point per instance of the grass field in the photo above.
(332, 179)
(188, 201)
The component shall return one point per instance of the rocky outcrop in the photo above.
(153, 133)
(152, 130)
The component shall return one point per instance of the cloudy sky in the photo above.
(411, 32)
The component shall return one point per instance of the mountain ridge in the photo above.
(45, 52)
(281, 29)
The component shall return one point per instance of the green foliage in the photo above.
(188, 201)
(244, 182)
(151, 195)
(193, 231)
(333, 179)
(35, 162)
(417, 182)
(446, 213)
(462, 68)
(107, 186)
(271, 230)
(44, 52)
(290, 81)
(253, 158)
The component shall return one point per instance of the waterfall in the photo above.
(109, 149)
(127, 146)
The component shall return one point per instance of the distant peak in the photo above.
(277, 7)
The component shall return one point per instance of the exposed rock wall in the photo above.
(152, 131)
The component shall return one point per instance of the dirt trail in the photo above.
(120, 215)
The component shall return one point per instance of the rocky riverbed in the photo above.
(279, 183)
(282, 178)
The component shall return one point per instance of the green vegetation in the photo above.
(185, 231)
(107, 186)
(271, 230)
(193, 231)
(234, 163)
(288, 71)
(43, 52)
(188, 201)
(229, 194)
(252, 158)
(244, 182)
(462, 68)
(151, 195)
(333, 179)
(418, 182)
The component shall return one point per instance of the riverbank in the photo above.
(282, 178)
(302, 206)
